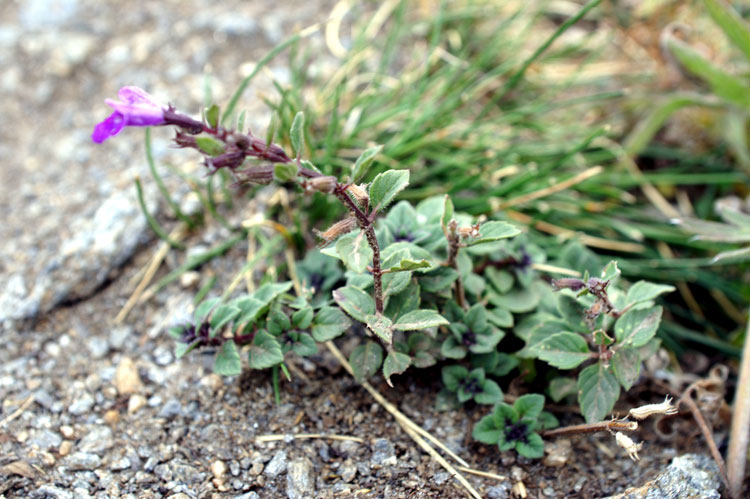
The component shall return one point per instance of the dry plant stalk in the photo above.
(739, 436)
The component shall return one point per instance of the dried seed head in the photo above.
(644, 411)
(338, 229)
(627, 443)
(321, 184)
(568, 283)
(359, 193)
(472, 231)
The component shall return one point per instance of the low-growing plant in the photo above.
(428, 284)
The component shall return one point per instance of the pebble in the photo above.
(163, 356)
(127, 380)
(118, 336)
(383, 453)
(300, 482)
(249, 495)
(276, 465)
(218, 469)
(52, 492)
(171, 409)
(97, 439)
(349, 471)
(65, 447)
(120, 464)
(83, 461)
(234, 468)
(557, 453)
(501, 491)
(97, 347)
(212, 381)
(82, 405)
(135, 403)
(45, 439)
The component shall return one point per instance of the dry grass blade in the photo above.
(411, 428)
(304, 436)
(561, 186)
(739, 436)
(25, 405)
(149, 271)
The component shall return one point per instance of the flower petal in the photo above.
(135, 95)
(108, 128)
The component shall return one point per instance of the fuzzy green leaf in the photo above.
(438, 279)
(447, 214)
(284, 172)
(486, 431)
(395, 363)
(493, 231)
(329, 323)
(490, 394)
(626, 364)
(354, 251)
(731, 23)
(265, 351)
(366, 359)
(382, 326)
(228, 362)
(303, 317)
(563, 350)
(453, 375)
(533, 448)
(385, 187)
(355, 302)
(303, 345)
(223, 315)
(210, 146)
(202, 310)
(611, 271)
(529, 405)
(644, 291)
(297, 133)
(598, 390)
(637, 327)
(363, 162)
(419, 319)
(212, 116)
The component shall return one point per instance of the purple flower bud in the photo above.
(136, 109)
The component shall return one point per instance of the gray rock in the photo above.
(36, 14)
(276, 465)
(97, 347)
(119, 335)
(46, 439)
(82, 405)
(101, 244)
(163, 356)
(249, 495)
(14, 300)
(171, 409)
(692, 476)
(120, 464)
(383, 453)
(501, 491)
(82, 461)
(51, 492)
(98, 439)
(300, 482)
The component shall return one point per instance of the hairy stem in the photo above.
(582, 429)
(453, 263)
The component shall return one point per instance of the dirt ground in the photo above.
(90, 408)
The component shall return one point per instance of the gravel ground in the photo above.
(90, 408)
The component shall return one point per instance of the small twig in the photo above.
(15, 414)
(561, 186)
(304, 436)
(582, 429)
(707, 433)
(486, 474)
(739, 435)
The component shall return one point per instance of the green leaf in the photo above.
(500, 317)
(296, 133)
(493, 231)
(329, 323)
(210, 146)
(394, 283)
(278, 322)
(518, 300)
(385, 187)
(284, 172)
(644, 291)
(395, 363)
(250, 309)
(354, 251)
(438, 279)
(452, 348)
(533, 448)
(354, 302)
(303, 344)
(407, 264)
(202, 310)
(598, 390)
(265, 351)
(419, 319)
(547, 421)
(228, 362)
(732, 256)
(563, 350)
(403, 302)
(722, 84)
(626, 364)
(490, 394)
(223, 315)
(731, 23)
(212, 116)
(529, 405)
(182, 349)
(381, 326)
(303, 317)
(363, 162)
(559, 388)
(270, 291)
(502, 280)
(447, 214)
(453, 375)
(636, 327)
(485, 430)
(611, 271)
(365, 360)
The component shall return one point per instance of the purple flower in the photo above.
(136, 109)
